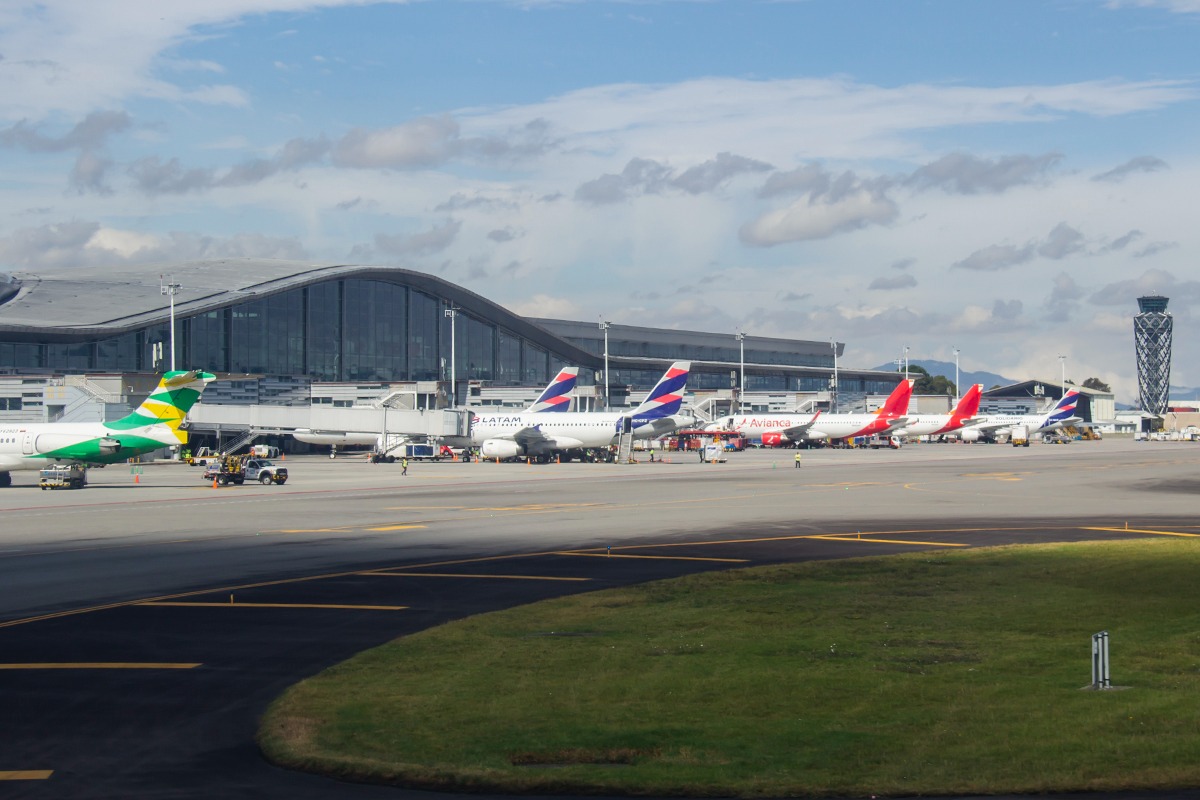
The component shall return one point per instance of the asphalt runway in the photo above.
(147, 621)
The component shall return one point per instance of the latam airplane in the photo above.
(556, 397)
(540, 435)
(781, 429)
(989, 427)
(937, 424)
(153, 426)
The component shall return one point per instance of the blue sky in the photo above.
(1002, 177)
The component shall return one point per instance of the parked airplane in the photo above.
(153, 426)
(540, 435)
(937, 424)
(989, 427)
(781, 429)
(556, 397)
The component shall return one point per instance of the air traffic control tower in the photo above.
(1152, 341)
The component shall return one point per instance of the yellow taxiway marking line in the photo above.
(999, 476)
(1139, 530)
(425, 508)
(25, 774)
(384, 528)
(849, 538)
(388, 574)
(98, 665)
(347, 529)
(185, 604)
(657, 558)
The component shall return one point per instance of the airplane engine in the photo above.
(772, 440)
(108, 446)
(501, 448)
(970, 436)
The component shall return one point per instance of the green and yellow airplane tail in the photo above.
(170, 401)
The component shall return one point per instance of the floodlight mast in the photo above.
(452, 313)
(604, 326)
(170, 288)
(741, 337)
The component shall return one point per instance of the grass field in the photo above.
(946, 672)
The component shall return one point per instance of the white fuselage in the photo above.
(336, 438)
(927, 425)
(566, 429)
(37, 445)
(791, 426)
(1002, 424)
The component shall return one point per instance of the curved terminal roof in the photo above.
(86, 304)
(78, 305)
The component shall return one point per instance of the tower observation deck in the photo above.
(1152, 341)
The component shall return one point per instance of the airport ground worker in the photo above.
(404, 465)
(797, 459)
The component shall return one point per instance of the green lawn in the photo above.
(944, 672)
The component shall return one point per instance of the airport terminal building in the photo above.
(305, 324)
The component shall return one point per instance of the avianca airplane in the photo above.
(153, 426)
(1062, 413)
(555, 397)
(778, 429)
(937, 424)
(540, 434)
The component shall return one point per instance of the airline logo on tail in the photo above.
(666, 397)
(168, 404)
(557, 396)
(897, 402)
(1064, 408)
(968, 407)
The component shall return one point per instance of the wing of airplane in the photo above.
(534, 439)
(894, 423)
(798, 432)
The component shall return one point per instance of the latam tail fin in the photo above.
(557, 395)
(897, 402)
(666, 398)
(170, 401)
(1064, 409)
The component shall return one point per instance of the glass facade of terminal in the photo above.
(365, 330)
(342, 330)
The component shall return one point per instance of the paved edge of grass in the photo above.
(287, 737)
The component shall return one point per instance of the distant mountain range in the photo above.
(965, 378)
(990, 379)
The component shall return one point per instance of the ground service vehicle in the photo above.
(1019, 436)
(63, 476)
(239, 469)
(202, 457)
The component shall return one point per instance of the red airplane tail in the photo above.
(897, 403)
(968, 405)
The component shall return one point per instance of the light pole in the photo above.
(604, 326)
(741, 337)
(834, 387)
(905, 362)
(452, 313)
(170, 288)
(957, 391)
(1063, 361)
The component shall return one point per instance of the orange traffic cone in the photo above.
(214, 483)
(137, 478)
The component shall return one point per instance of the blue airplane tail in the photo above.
(666, 398)
(557, 396)
(1064, 408)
